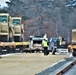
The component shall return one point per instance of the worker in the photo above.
(31, 42)
(45, 46)
(60, 40)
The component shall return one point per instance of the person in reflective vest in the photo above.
(45, 46)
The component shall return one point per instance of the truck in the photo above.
(72, 45)
(53, 45)
(17, 28)
(4, 33)
(17, 32)
(11, 34)
(35, 44)
(58, 44)
(4, 27)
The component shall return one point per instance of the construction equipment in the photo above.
(11, 34)
(4, 27)
(17, 28)
(72, 45)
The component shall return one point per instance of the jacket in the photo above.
(45, 43)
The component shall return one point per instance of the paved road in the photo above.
(27, 63)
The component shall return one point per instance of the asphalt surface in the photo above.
(58, 67)
(27, 63)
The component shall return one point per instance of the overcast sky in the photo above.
(2, 3)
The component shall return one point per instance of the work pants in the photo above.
(46, 52)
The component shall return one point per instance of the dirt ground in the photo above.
(27, 63)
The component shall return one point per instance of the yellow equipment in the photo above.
(11, 34)
(4, 27)
(72, 45)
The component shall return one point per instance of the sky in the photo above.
(2, 3)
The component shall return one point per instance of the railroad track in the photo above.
(60, 68)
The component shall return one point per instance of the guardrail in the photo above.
(60, 68)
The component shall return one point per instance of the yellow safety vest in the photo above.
(45, 44)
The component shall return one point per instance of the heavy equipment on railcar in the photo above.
(11, 34)
(4, 27)
(17, 28)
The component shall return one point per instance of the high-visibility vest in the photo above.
(45, 44)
